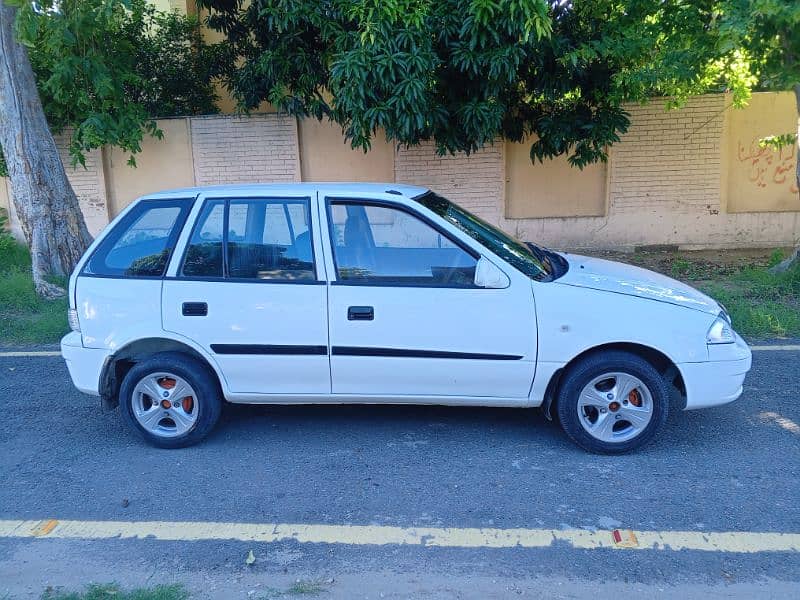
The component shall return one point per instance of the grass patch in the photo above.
(761, 304)
(113, 592)
(25, 318)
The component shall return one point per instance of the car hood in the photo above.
(620, 278)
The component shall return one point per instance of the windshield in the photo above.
(530, 259)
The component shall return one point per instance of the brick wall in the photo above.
(476, 181)
(88, 184)
(261, 148)
(666, 184)
(669, 161)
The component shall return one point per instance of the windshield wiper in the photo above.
(556, 264)
(537, 252)
(561, 265)
(543, 258)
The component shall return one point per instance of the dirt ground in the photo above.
(693, 264)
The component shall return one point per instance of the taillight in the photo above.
(72, 317)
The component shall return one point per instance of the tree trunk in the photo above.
(45, 203)
(794, 258)
(797, 134)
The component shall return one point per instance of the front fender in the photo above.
(573, 320)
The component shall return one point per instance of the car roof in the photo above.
(408, 191)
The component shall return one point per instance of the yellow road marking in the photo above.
(44, 528)
(378, 535)
(794, 347)
(624, 538)
(30, 353)
(781, 421)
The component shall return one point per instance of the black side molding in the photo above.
(407, 353)
(269, 349)
(292, 350)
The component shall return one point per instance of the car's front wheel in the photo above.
(171, 399)
(612, 402)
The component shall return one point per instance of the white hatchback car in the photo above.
(379, 293)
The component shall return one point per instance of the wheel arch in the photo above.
(122, 360)
(662, 363)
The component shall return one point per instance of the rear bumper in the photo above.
(717, 382)
(85, 364)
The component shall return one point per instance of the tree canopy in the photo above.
(464, 72)
(105, 69)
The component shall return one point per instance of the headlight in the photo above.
(720, 332)
(725, 314)
(72, 317)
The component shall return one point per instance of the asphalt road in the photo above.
(733, 468)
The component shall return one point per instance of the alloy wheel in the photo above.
(615, 407)
(164, 404)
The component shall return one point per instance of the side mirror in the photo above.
(487, 275)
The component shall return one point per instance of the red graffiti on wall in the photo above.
(767, 166)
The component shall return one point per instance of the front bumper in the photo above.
(85, 364)
(719, 380)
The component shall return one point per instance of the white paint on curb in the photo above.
(379, 535)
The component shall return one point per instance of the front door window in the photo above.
(378, 244)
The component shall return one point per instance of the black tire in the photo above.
(197, 374)
(595, 365)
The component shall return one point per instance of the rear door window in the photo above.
(252, 239)
(204, 252)
(141, 244)
(265, 242)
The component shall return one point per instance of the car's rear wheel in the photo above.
(612, 402)
(171, 399)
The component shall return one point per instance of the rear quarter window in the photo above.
(140, 245)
